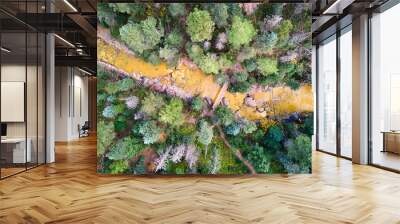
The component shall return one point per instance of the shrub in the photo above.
(199, 25)
(241, 32)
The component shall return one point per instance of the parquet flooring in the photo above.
(70, 191)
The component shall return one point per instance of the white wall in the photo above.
(71, 94)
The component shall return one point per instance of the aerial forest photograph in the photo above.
(204, 88)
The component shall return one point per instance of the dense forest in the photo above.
(144, 129)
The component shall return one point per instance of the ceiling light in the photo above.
(5, 50)
(86, 72)
(70, 5)
(64, 40)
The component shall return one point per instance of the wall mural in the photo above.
(215, 88)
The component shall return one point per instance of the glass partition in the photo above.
(327, 95)
(14, 151)
(22, 90)
(346, 92)
(385, 89)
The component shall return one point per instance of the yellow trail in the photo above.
(277, 101)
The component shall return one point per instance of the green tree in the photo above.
(205, 133)
(250, 65)
(172, 112)
(233, 129)
(267, 66)
(240, 87)
(151, 104)
(118, 166)
(141, 36)
(224, 115)
(241, 32)
(176, 9)
(219, 12)
(174, 39)
(112, 111)
(105, 136)
(249, 127)
(273, 138)
(171, 55)
(197, 104)
(266, 41)
(283, 30)
(209, 64)
(119, 86)
(299, 153)
(150, 132)
(105, 15)
(135, 10)
(260, 159)
(125, 148)
(199, 25)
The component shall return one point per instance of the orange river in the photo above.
(274, 101)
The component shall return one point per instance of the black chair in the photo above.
(84, 130)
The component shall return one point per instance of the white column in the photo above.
(360, 90)
(50, 110)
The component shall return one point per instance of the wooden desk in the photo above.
(391, 141)
(16, 147)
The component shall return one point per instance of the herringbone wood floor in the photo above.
(70, 191)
